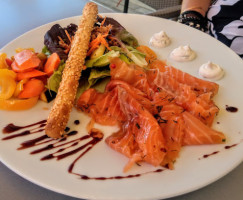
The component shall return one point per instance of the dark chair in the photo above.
(169, 9)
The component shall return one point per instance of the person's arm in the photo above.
(193, 13)
(200, 6)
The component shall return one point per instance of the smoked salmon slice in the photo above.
(197, 133)
(131, 74)
(134, 92)
(141, 138)
(184, 96)
(174, 131)
(102, 107)
(197, 85)
(158, 110)
(169, 117)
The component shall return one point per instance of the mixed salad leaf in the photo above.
(56, 34)
(97, 79)
(109, 39)
(37, 75)
(102, 60)
(119, 31)
(54, 80)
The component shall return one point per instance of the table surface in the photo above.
(18, 17)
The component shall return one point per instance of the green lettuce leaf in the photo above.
(54, 80)
(101, 84)
(96, 74)
(102, 60)
(124, 58)
(132, 50)
(98, 78)
(83, 85)
(132, 54)
(46, 51)
(127, 38)
(137, 58)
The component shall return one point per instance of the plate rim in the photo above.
(15, 170)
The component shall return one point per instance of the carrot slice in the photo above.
(52, 63)
(30, 74)
(17, 69)
(32, 88)
(26, 59)
(96, 43)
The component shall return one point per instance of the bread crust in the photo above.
(60, 111)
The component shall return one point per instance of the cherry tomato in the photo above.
(9, 62)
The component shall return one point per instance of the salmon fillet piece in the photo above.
(174, 131)
(184, 96)
(197, 133)
(198, 85)
(141, 138)
(131, 74)
(140, 96)
(169, 117)
(102, 107)
(157, 110)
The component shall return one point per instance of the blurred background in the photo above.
(161, 8)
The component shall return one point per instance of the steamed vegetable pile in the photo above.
(28, 76)
(23, 78)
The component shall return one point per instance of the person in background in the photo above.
(223, 19)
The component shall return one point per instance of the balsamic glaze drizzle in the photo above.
(10, 128)
(225, 147)
(207, 155)
(231, 108)
(230, 146)
(94, 137)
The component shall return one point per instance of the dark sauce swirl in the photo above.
(56, 147)
(231, 109)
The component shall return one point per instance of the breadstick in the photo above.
(60, 112)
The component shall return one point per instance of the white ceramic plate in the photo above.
(190, 173)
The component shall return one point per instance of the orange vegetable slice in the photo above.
(19, 87)
(31, 74)
(32, 88)
(18, 50)
(9, 62)
(7, 83)
(52, 64)
(16, 68)
(7, 72)
(3, 63)
(26, 59)
(18, 104)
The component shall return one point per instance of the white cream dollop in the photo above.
(211, 71)
(159, 40)
(183, 54)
